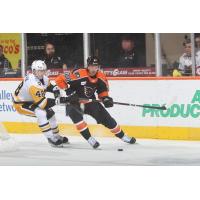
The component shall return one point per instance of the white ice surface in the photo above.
(34, 150)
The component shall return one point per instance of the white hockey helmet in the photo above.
(38, 65)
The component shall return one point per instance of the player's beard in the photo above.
(93, 72)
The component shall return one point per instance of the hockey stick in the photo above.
(63, 104)
(83, 100)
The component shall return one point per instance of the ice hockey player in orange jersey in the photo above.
(85, 83)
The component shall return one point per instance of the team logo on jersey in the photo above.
(67, 76)
(77, 74)
(89, 91)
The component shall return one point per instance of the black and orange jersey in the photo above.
(84, 85)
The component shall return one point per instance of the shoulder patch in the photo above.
(67, 76)
(77, 74)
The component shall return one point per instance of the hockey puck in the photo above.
(119, 149)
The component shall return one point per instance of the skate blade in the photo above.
(69, 146)
(66, 144)
(57, 146)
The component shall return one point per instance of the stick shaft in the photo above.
(125, 104)
(84, 101)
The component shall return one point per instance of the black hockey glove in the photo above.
(107, 101)
(72, 99)
(56, 91)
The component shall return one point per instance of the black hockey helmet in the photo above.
(93, 60)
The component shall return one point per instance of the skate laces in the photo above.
(92, 141)
(53, 137)
(126, 138)
(57, 136)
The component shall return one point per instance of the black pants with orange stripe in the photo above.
(95, 110)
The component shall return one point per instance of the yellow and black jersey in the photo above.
(31, 89)
(84, 85)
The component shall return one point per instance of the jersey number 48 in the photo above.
(40, 94)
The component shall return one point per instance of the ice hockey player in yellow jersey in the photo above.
(30, 99)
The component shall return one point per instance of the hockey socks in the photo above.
(120, 134)
(84, 131)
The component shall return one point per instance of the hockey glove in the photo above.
(56, 91)
(107, 101)
(72, 99)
